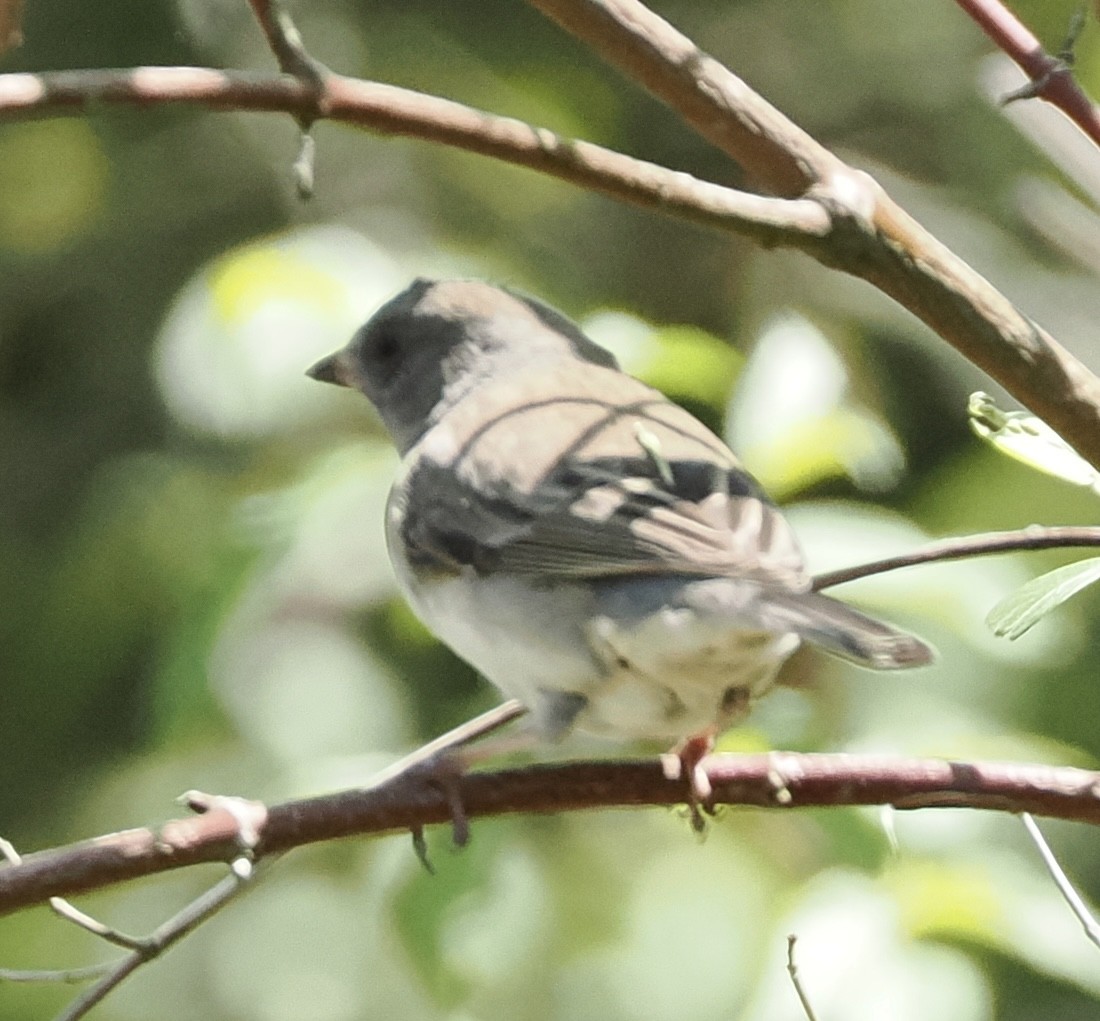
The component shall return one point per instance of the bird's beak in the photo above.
(330, 370)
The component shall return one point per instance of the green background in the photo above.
(194, 593)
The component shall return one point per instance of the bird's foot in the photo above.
(686, 760)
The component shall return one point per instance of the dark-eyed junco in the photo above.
(590, 547)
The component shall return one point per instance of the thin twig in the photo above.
(290, 51)
(61, 976)
(1050, 76)
(286, 42)
(1034, 537)
(391, 110)
(472, 730)
(796, 981)
(1061, 880)
(709, 97)
(164, 936)
(71, 913)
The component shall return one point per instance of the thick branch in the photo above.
(845, 221)
(850, 224)
(874, 238)
(776, 152)
(774, 780)
(390, 110)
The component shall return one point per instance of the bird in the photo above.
(587, 545)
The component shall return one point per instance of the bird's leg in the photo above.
(448, 767)
(686, 759)
(449, 743)
(446, 758)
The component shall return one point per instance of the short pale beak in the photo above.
(329, 370)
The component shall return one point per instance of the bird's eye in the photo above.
(386, 348)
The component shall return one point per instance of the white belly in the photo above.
(659, 675)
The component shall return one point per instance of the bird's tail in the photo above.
(846, 632)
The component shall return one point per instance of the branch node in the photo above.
(1033, 89)
(250, 816)
(849, 196)
(303, 167)
(778, 780)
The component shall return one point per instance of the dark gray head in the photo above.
(438, 339)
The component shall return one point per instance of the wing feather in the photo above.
(627, 486)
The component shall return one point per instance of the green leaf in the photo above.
(1029, 440)
(795, 422)
(1017, 613)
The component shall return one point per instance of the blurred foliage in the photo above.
(192, 568)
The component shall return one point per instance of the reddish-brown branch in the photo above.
(1052, 80)
(772, 780)
(409, 799)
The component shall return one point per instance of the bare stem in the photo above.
(872, 237)
(844, 220)
(1051, 78)
(417, 799)
(1072, 898)
(1033, 538)
(796, 981)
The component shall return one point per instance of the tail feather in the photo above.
(846, 632)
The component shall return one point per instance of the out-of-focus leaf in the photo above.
(947, 899)
(693, 363)
(1019, 612)
(793, 423)
(1029, 440)
(682, 914)
(305, 958)
(426, 905)
(234, 349)
(327, 530)
(680, 361)
(689, 365)
(631, 340)
(53, 184)
(857, 961)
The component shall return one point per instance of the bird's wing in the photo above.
(585, 486)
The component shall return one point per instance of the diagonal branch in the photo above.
(845, 220)
(1051, 77)
(873, 238)
(720, 106)
(851, 225)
